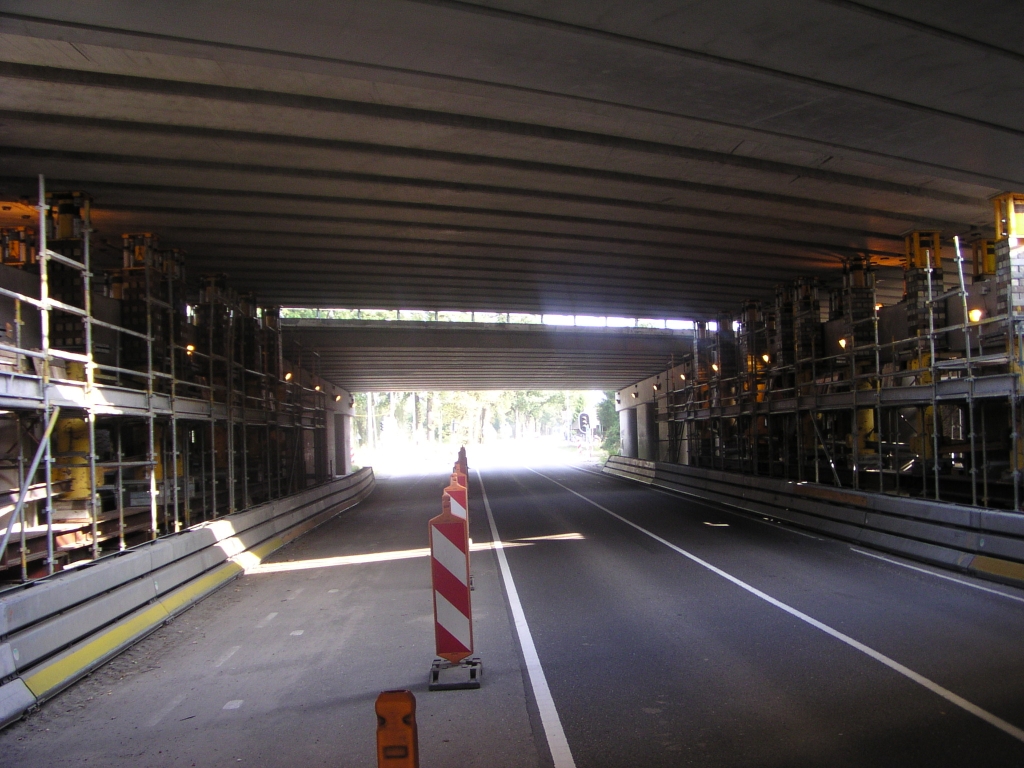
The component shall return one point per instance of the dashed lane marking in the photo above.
(165, 710)
(227, 655)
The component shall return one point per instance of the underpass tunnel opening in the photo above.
(418, 431)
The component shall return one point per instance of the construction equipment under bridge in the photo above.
(784, 238)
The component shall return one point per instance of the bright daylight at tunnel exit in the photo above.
(511, 384)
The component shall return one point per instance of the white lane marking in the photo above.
(295, 594)
(894, 665)
(166, 709)
(234, 704)
(227, 655)
(266, 620)
(297, 632)
(732, 509)
(939, 575)
(552, 724)
(716, 525)
(735, 511)
(331, 591)
(784, 527)
(331, 562)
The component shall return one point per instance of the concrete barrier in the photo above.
(58, 629)
(985, 542)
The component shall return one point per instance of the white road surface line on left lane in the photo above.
(166, 709)
(550, 721)
(227, 655)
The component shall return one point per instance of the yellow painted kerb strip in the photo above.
(187, 594)
(998, 567)
(67, 667)
(72, 664)
(266, 547)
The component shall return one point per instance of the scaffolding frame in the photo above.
(783, 419)
(163, 403)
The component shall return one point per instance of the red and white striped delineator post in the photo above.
(458, 492)
(453, 613)
(458, 495)
(459, 476)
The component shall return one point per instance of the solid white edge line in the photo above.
(952, 698)
(552, 724)
(939, 575)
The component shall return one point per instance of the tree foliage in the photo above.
(469, 417)
(609, 418)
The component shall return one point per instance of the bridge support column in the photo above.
(627, 433)
(646, 432)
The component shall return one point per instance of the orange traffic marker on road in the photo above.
(397, 740)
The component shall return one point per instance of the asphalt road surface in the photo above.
(618, 625)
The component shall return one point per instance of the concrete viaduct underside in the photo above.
(643, 160)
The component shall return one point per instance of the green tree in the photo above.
(609, 418)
